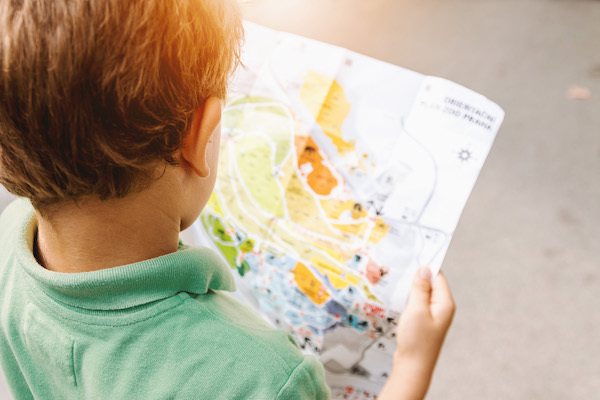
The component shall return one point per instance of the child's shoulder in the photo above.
(250, 350)
(269, 355)
(167, 321)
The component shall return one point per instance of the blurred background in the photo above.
(524, 262)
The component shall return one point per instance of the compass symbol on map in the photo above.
(465, 155)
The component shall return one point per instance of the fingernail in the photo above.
(425, 273)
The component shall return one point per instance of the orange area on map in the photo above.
(309, 284)
(326, 99)
(320, 179)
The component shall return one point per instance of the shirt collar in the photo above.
(191, 270)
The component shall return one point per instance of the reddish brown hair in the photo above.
(94, 93)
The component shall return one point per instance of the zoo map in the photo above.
(339, 175)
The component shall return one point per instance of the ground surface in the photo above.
(524, 261)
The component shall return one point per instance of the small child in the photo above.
(109, 128)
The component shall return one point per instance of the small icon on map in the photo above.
(465, 155)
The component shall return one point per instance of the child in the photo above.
(109, 127)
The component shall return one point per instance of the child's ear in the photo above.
(204, 122)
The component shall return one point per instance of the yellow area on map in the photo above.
(334, 208)
(254, 157)
(213, 203)
(353, 229)
(327, 102)
(264, 117)
(338, 278)
(310, 285)
(303, 208)
(380, 230)
(235, 202)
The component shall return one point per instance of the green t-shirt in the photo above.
(163, 328)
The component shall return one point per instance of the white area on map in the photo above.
(339, 176)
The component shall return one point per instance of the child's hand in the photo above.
(420, 334)
(425, 321)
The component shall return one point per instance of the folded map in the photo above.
(339, 176)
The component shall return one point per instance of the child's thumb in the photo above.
(420, 294)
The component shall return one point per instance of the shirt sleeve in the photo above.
(307, 381)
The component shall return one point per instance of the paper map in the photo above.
(340, 175)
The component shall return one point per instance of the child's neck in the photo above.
(104, 234)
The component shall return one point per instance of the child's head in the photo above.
(97, 98)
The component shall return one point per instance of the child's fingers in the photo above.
(442, 302)
(420, 294)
